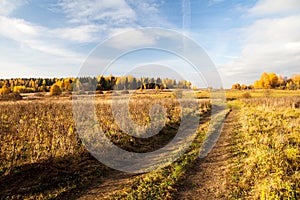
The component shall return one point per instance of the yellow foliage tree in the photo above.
(236, 86)
(244, 87)
(267, 81)
(273, 78)
(296, 80)
(264, 79)
(4, 90)
(257, 85)
(55, 90)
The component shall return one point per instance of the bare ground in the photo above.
(114, 182)
(208, 178)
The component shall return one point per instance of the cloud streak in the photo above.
(115, 12)
(35, 37)
(271, 7)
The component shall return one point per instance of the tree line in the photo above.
(59, 85)
(272, 81)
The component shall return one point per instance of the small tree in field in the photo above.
(4, 90)
(55, 90)
(156, 88)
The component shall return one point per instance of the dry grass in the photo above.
(39, 139)
(267, 150)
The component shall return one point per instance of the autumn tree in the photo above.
(273, 78)
(296, 80)
(267, 81)
(236, 86)
(257, 84)
(4, 90)
(244, 87)
(55, 90)
(281, 81)
(26, 85)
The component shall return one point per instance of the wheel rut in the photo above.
(208, 177)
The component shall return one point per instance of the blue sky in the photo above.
(244, 38)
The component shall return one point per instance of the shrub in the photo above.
(15, 96)
(11, 96)
(23, 89)
(4, 90)
(55, 90)
(296, 104)
(246, 95)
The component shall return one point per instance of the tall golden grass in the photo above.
(267, 150)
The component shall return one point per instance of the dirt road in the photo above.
(208, 178)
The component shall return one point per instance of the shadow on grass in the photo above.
(72, 176)
(51, 178)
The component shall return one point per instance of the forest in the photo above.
(102, 83)
(271, 81)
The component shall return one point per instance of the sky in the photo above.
(243, 38)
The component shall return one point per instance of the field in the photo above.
(43, 157)
(267, 150)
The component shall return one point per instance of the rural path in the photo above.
(205, 180)
(208, 177)
(114, 182)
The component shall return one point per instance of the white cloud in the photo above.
(51, 49)
(8, 6)
(147, 13)
(269, 7)
(132, 39)
(88, 22)
(79, 34)
(22, 61)
(29, 50)
(271, 45)
(107, 18)
(115, 12)
(17, 28)
(35, 37)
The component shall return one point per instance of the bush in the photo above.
(296, 104)
(11, 96)
(23, 89)
(55, 90)
(15, 96)
(246, 95)
(4, 90)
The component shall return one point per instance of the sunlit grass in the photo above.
(266, 151)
